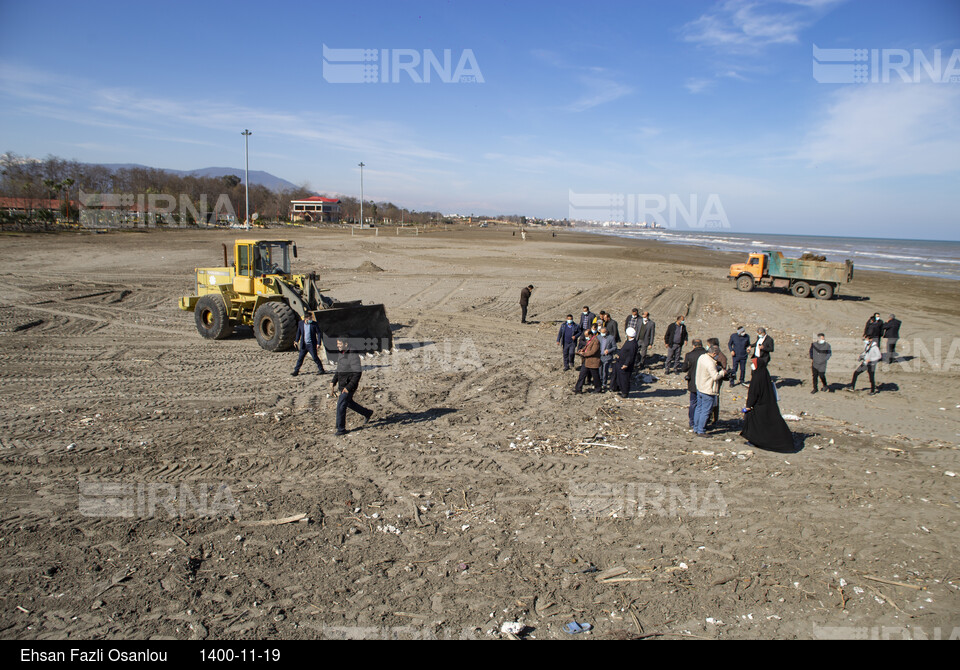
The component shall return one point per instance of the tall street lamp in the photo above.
(246, 171)
(361, 194)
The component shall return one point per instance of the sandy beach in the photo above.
(483, 491)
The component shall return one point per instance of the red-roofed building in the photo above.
(316, 209)
(27, 205)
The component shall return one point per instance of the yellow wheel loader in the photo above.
(259, 291)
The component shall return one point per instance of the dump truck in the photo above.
(802, 276)
(259, 291)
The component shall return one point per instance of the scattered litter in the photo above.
(791, 417)
(948, 473)
(277, 522)
(512, 628)
(573, 628)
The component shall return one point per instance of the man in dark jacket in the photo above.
(632, 320)
(586, 319)
(624, 365)
(874, 328)
(346, 380)
(763, 347)
(738, 345)
(646, 333)
(524, 302)
(820, 353)
(891, 331)
(690, 368)
(307, 340)
(675, 338)
(567, 338)
(612, 328)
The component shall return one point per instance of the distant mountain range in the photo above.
(260, 177)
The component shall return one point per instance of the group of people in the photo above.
(874, 331)
(610, 362)
(607, 364)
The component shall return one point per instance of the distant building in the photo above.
(315, 209)
(30, 205)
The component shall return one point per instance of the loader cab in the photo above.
(256, 259)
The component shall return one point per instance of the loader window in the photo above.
(243, 260)
(272, 258)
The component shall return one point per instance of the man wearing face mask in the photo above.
(874, 328)
(763, 347)
(739, 346)
(567, 338)
(645, 336)
(587, 319)
(820, 353)
(868, 361)
(591, 363)
(674, 339)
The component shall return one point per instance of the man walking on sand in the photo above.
(868, 359)
(524, 302)
(674, 339)
(820, 353)
(307, 340)
(347, 379)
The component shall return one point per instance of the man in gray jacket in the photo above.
(820, 353)
(608, 347)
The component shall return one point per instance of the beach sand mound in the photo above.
(367, 266)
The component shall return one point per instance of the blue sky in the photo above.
(673, 99)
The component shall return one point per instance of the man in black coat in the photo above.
(739, 345)
(308, 339)
(645, 336)
(675, 338)
(763, 347)
(690, 367)
(346, 380)
(524, 302)
(874, 329)
(891, 331)
(624, 366)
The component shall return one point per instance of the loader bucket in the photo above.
(365, 328)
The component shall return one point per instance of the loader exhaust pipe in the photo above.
(225, 263)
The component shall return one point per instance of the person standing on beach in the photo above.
(645, 337)
(891, 331)
(307, 340)
(868, 362)
(820, 353)
(624, 367)
(763, 347)
(587, 318)
(567, 338)
(591, 363)
(709, 376)
(874, 328)
(347, 380)
(722, 362)
(690, 368)
(675, 338)
(524, 302)
(632, 320)
(763, 425)
(608, 347)
(738, 345)
(612, 328)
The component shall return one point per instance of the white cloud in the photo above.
(884, 130)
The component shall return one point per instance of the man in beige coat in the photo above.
(709, 377)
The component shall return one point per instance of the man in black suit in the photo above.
(308, 339)
(347, 379)
(524, 302)
(763, 347)
(891, 331)
(645, 336)
(624, 366)
(675, 338)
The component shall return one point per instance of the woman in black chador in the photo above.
(763, 426)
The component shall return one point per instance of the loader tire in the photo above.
(211, 317)
(275, 326)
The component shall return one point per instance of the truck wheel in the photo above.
(801, 289)
(211, 317)
(275, 326)
(745, 283)
(823, 291)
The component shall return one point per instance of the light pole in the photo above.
(246, 171)
(361, 194)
